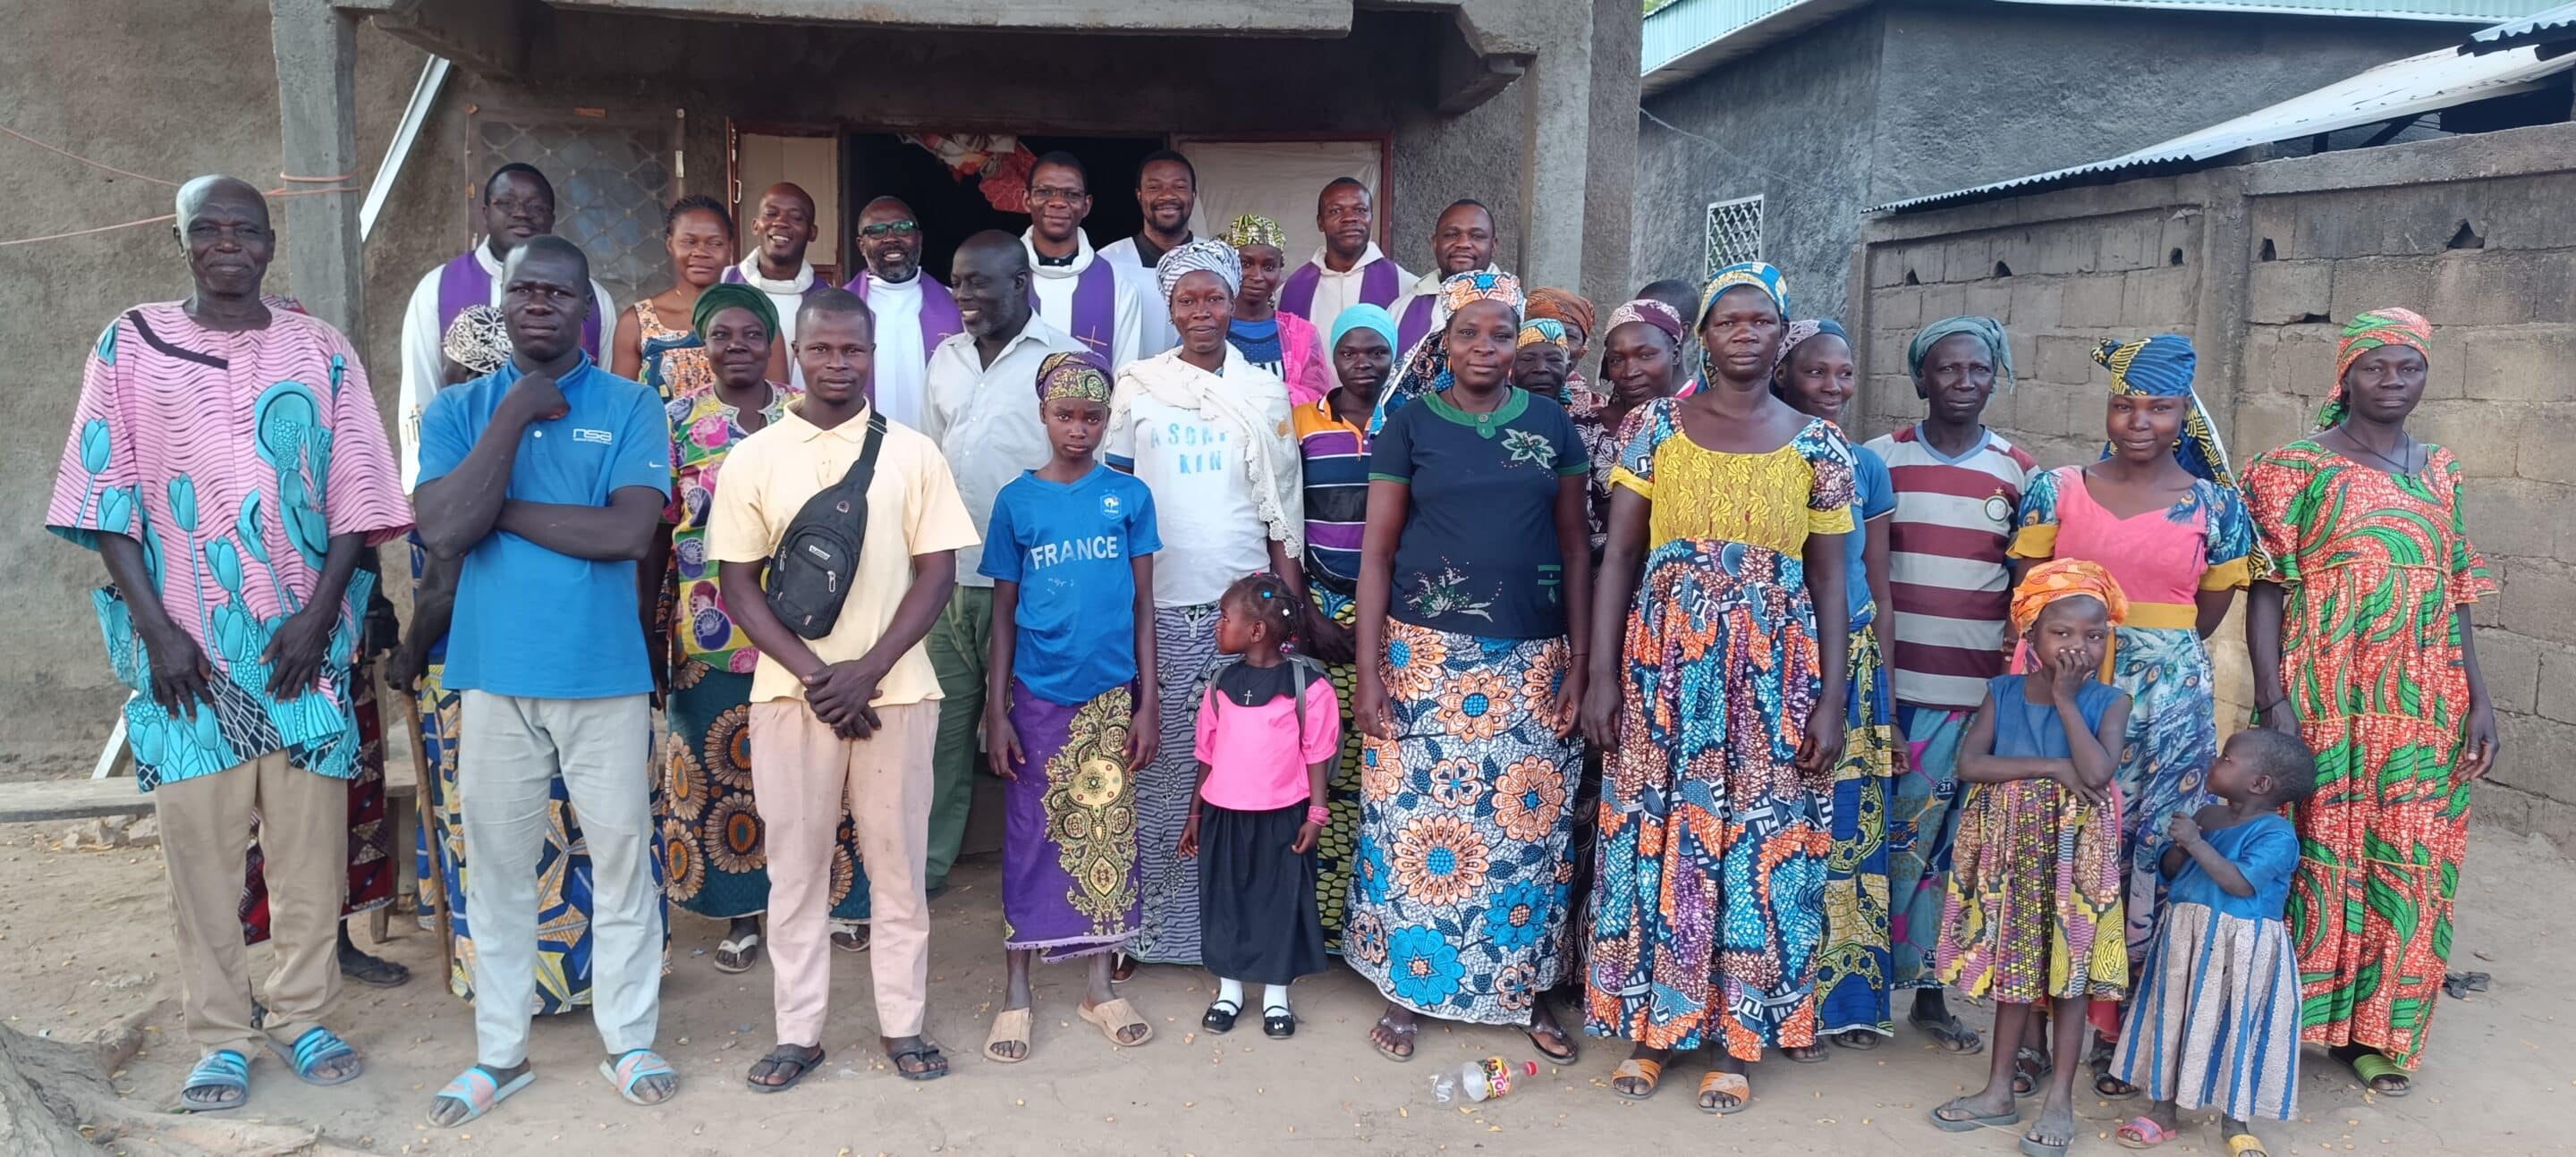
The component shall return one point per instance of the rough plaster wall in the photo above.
(1610, 197)
(165, 105)
(2346, 232)
(2083, 83)
(1791, 123)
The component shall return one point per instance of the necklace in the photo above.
(2394, 466)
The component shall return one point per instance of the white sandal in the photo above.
(746, 950)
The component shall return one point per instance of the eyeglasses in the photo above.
(1048, 194)
(890, 228)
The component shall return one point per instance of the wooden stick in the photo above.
(433, 795)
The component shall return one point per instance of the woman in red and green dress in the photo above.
(2360, 638)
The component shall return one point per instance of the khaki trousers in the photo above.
(800, 773)
(205, 840)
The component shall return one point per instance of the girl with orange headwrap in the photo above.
(2034, 905)
(2359, 631)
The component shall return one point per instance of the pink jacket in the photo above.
(1301, 349)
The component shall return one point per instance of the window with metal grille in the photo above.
(613, 176)
(1734, 233)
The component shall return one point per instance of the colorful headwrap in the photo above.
(1754, 273)
(1648, 311)
(2369, 330)
(1564, 305)
(1545, 330)
(2056, 579)
(1212, 255)
(730, 294)
(1984, 329)
(1799, 331)
(1073, 375)
(1252, 229)
(1425, 368)
(479, 340)
(2161, 366)
(1374, 318)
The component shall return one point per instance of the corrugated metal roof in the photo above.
(2557, 24)
(2418, 84)
(1684, 38)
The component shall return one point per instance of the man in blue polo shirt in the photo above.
(548, 478)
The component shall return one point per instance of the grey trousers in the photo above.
(512, 749)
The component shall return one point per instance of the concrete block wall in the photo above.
(2470, 231)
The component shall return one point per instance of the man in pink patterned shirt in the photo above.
(227, 462)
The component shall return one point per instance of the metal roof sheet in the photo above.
(2418, 84)
(2556, 24)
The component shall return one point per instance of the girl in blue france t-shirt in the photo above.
(1066, 721)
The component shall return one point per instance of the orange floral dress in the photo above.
(2374, 565)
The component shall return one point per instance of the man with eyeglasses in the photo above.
(1348, 269)
(782, 228)
(1167, 192)
(1075, 290)
(518, 203)
(914, 312)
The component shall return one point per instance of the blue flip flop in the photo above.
(476, 1089)
(632, 1067)
(220, 1069)
(315, 1047)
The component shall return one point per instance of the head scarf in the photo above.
(2367, 331)
(1546, 330)
(1754, 273)
(2060, 578)
(1374, 318)
(1565, 306)
(727, 295)
(1799, 332)
(1426, 366)
(479, 340)
(1251, 229)
(1073, 375)
(2161, 366)
(1984, 329)
(1648, 311)
(1214, 256)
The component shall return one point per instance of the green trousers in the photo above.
(958, 644)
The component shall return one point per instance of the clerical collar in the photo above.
(1152, 253)
(1067, 259)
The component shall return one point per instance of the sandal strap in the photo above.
(639, 1064)
(317, 1046)
(222, 1067)
(1649, 1071)
(475, 1088)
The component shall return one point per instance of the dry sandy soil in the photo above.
(82, 940)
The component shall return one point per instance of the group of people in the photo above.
(1300, 612)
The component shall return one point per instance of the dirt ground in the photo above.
(82, 937)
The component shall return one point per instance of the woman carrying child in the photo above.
(1269, 733)
(2215, 1019)
(2033, 912)
(1066, 720)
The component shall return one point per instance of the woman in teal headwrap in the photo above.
(2161, 511)
(714, 862)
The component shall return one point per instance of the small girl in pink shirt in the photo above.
(1269, 731)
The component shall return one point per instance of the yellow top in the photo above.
(913, 509)
(1774, 499)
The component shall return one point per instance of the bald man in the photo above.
(227, 463)
(913, 311)
(781, 230)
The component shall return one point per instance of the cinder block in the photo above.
(1968, 259)
(2511, 664)
(2545, 455)
(1990, 298)
(2162, 298)
(2484, 287)
(1896, 307)
(2539, 757)
(2540, 600)
(2557, 690)
(2071, 247)
(2363, 283)
(2484, 437)
(1887, 265)
(2091, 302)
(2067, 360)
(2288, 292)
(2036, 301)
(1942, 301)
(2266, 421)
(2527, 366)
(2520, 518)
(2131, 244)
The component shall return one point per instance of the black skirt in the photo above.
(1256, 897)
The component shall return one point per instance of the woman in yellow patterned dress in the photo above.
(1723, 726)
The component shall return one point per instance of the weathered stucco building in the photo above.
(2260, 263)
(1526, 105)
(1823, 108)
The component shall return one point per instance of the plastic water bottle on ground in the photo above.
(1479, 1081)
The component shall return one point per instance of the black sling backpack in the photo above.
(817, 560)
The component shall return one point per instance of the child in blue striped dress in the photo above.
(2213, 1018)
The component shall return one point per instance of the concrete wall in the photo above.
(168, 106)
(2344, 232)
(1907, 100)
(1794, 124)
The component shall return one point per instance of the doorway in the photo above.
(950, 209)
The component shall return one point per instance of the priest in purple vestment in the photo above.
(1348, 269)
(914, 312)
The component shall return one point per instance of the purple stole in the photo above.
(1377, 287)
(462, 284)
(1095, 307)
(939, 320)
(1415, 323)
